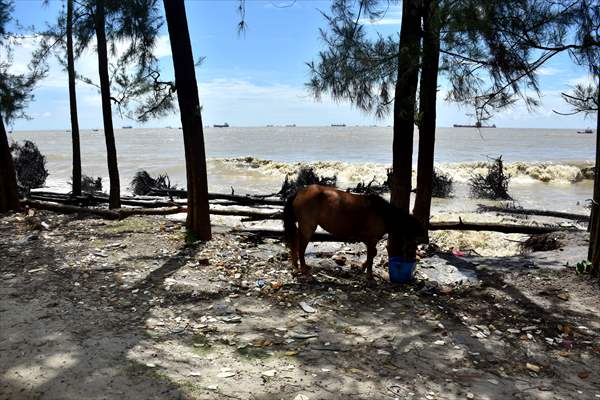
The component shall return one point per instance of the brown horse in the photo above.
(349, 217)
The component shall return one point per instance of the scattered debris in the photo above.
(307, 308)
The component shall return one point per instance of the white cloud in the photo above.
(582, 80)
(382, 21)
(549, 71)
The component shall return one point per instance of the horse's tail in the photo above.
(289, 222)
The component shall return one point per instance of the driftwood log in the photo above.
(60, 202)
(91, 199)
(119, 213)
(127, 212)
(434, 226)
(529, 211)
(246, 200)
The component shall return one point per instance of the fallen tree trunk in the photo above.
(434, 226)
(118, 213)
(528, 211)
(91, 198)
(126, 212)
(495, 227)
(94, 200)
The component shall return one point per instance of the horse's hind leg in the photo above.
(293, 247)
(371, 253)
(303, 238)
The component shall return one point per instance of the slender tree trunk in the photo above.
(594, 249)
(109, 134)
(198, 218)
(427, 111)
(73, 103)
(9, 198)
(404, 113)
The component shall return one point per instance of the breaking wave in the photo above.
(353, 173)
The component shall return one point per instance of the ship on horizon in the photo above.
(338, 125)
(225, 125)
(477, 125)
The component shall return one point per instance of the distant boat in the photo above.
(338, 125)
(477, 125)
(127, 127)
(586, 131)
(225, 125)
(269, 126)
(95, 130)
(291, 126)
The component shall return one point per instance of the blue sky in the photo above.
(258, 78)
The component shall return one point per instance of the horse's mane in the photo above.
(381, 204)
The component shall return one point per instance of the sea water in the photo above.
(545, 164)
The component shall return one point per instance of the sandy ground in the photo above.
(91, 309)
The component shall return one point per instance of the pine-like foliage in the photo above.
(132, 31)
(485, 55)
(30, 165)
(442, 185)
(492, 185)
(143, 183)
(306, 176)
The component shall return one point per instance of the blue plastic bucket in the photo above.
(401, 270)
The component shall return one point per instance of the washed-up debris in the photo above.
(303, 336)
(226, 373)
(529, 328)
(533, 367)
(339, 259)
(269, 373)
(231, 319)
(307, 308)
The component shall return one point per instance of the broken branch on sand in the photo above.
(529, 211)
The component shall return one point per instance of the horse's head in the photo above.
(415, 229)
(407, 226)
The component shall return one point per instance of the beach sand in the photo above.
(100, 309)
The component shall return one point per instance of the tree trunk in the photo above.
(427, 111)
(404, 113)
(594, 249)
(9, 198)
(109, 134)
(198, 218)
(73, 103)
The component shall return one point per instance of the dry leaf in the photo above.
(563, 296)
(583, 374)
